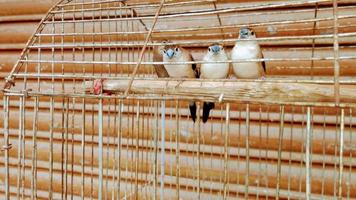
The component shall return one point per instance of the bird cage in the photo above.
(288, 136)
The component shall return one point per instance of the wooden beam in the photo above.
(254, 91)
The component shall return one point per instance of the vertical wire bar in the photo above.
(128, 142)
(93, 118)
(198, 151)
(324, 152)
(62, 146)
(100, 153)
(108, 133)
(137, 147)
(83, 112)
(51, 148)
(134, 39)
(117, 39)
(259, 151)
(290, 153)
(101, 134)
(39, 57)
(239, 146)
(302, 158)
(336, 54)
(62, 66)
(170, 149)
(121, 38)
(226, 153)
(92, 151)
(128, 42)
(114, 153)
(19, 151)
(34, 150)
(66, 148)
(177, 150)
(132, 140)
(119, 135)
(313, 42)
(247, 150)
(163, 133)
(6, 143)
(155, 138)
(83, 39)
(221, 155)
(23, 144)
(72, 150)
(150, 158)
(145, 142)
(341, 152)
(212, 128)
(280, 148)
(52, 52)
(350, 154)
(335, 172)
(307, 156)
(109, 41)
(146, 132)
(50, 195)
(83, 150)
(101, 42)
(115, 124)
(267, 144)
(73, 105)
(109, 114)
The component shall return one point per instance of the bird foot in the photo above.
(263, 78)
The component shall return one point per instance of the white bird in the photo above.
(174, 53)
(218, 70)
(247, 47)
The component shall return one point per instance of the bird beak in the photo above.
(170, 53)
(244, 33)
(243, 36)
(215, 49)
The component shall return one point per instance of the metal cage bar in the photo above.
(286, 137)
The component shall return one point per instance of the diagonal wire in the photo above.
(143, 49)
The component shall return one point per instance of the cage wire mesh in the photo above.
(278, 138)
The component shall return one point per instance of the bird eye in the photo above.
(164, 51)
(177, 49)
(252, 33)
(209, 49)
(222, 48)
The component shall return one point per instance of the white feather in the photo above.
(214, 70)
(247, 50)
(179, 70)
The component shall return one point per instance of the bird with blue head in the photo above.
(176, 59)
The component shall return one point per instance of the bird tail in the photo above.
(206, 110)
(193, 110)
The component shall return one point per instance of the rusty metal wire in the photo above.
(61, 141)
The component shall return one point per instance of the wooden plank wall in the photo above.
(138, 129)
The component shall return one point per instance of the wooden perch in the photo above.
(258, 91)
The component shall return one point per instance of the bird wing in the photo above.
(195, 67)
(263, 62)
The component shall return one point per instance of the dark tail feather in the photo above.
(206, 110)
(193, 111)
